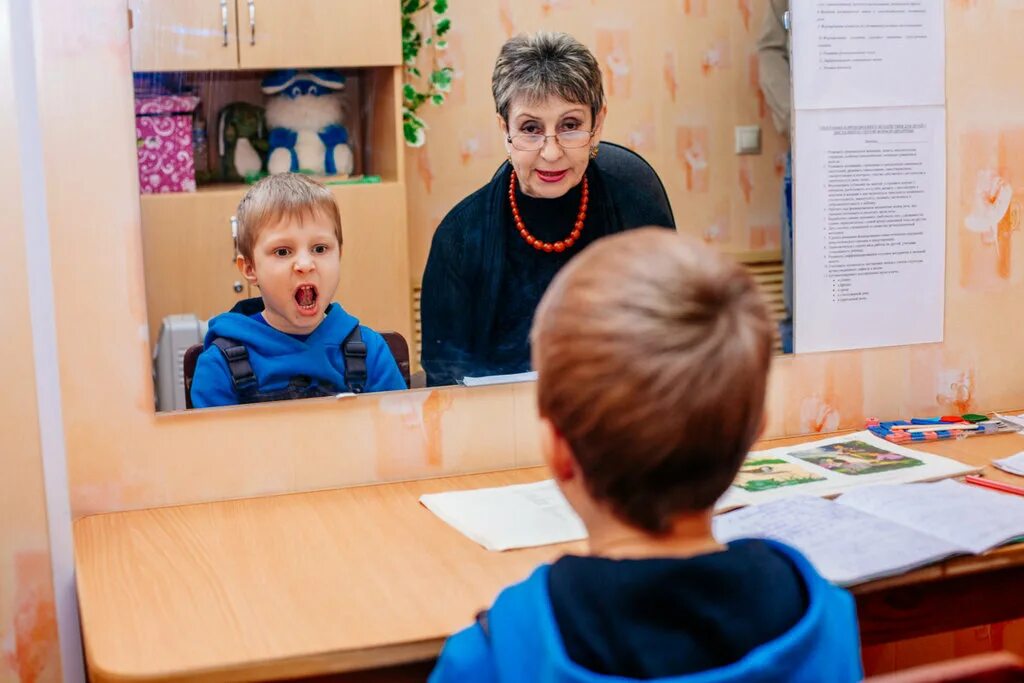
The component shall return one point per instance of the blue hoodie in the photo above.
(277, 357)
(523, 643)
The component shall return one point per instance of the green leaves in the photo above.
(441, 80)
(413, 129)
(417, 90)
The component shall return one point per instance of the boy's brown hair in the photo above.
(279, 197)
(652, 352)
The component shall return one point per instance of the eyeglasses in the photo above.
(534, 142)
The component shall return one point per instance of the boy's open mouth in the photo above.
(305, 297)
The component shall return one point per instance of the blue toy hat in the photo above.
(291, 82)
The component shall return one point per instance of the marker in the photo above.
(912, 429)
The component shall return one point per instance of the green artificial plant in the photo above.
(418, 88)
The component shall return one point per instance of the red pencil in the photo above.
(995, 485)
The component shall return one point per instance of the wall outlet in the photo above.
(748, 139)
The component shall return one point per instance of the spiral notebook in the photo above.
(877, 531)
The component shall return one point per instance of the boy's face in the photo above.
(296, 265)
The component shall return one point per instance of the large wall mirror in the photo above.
(451, 230)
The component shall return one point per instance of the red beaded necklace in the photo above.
(541, 245)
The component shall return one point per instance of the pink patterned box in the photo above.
(163, 130)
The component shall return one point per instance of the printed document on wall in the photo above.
(870, 227)
(866, 53)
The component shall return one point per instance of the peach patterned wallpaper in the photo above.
(679, 76)
(121, 456)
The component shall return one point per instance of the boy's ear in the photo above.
(557, 452)
(245, 267)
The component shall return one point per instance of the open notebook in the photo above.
(878, 531)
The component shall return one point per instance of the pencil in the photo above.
(994, 485)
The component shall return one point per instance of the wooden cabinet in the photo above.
(213, 35)
(318, 33)
(183, 35)
(189, 255)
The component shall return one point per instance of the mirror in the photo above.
(688, 134)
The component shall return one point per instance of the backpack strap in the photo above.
(354, 351)
(243, 379)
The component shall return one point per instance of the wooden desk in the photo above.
(365, 577)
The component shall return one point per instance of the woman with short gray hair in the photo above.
(560, 189)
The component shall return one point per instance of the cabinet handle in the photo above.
(224, 20)
(238, 287)
(252, 22)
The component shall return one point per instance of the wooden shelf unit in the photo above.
(189, 254)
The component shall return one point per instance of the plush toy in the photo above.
(305, 116)
(241, 141)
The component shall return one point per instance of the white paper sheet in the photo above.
(499, 379)
(522, 515)
(870, 228)
(1013, 464)
(845, 545)
(969, 517)
(865, 53)
(1015, 420)
(507, 517)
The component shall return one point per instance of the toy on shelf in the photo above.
(938, 428)
(163, 129)
(241, 141)
(305, 117)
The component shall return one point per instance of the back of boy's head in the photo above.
(652, 352)
(283, 196)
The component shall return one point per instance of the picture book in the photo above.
(830, 466)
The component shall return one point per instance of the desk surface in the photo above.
(329, 581)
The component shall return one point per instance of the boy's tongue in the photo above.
(305, 296)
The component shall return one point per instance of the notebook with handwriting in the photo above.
(881, 530)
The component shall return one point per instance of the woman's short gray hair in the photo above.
(535, 67)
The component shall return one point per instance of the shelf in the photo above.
(371, 101)
(221, 190)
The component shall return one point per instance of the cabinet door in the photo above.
(183, 35)
(318, 33)
(189, 255)
(375, 284)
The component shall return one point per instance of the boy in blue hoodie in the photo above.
(652, 352)
(292, 342)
